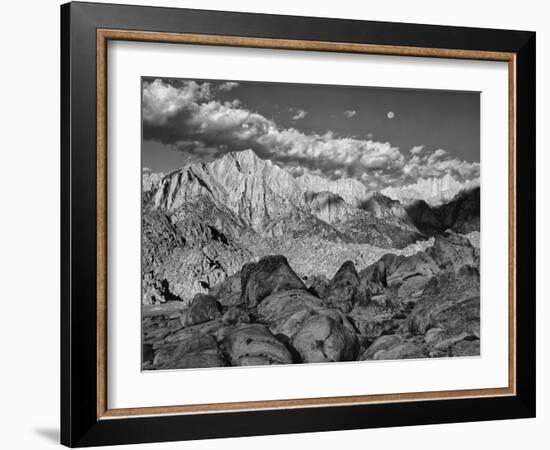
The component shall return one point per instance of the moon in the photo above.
(391, 114)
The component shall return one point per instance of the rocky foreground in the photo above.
(422, 305)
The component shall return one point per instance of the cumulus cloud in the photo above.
(162, 101)
(350, 113)
(228, 85)
(439, 163)
(438, 155)
(190, 119)
(298, 113)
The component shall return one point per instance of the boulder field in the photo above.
(423, 305)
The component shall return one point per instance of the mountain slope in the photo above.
(352, 191)
(253, 189)
(186, 253)
(239, 207)
(150, 180)
(434, 191)
(461, 214)
(272, 203)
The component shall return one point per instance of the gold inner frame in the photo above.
(104, 35)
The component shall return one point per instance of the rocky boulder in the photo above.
(381, 344)
(228, 292)
(251, 345)
(411, 275)
(160, 320)
(198, 350)
(203, 308)
(466, 347)
(235, 315)
(374, 320)
(343, 290)
(452, 251)
(374, 279)
(316, 332)
(407, 276)
(205, 328)
(454, 324)
(269, 275)
(324, 338)
(410, 267)
(448, 311)
(402, 275)
(401, 350)
(474, 237)
(443, 292)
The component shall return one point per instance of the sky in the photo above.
(379, 136)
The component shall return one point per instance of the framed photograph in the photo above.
(276, 224)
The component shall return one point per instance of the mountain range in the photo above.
(202, 222)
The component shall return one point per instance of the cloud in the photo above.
(188, 118)
(162, 101)
(298, 113)
(228, 85)
(416, 149)
(349, 113)
(146, 169)
(438, 155)
(439, 163)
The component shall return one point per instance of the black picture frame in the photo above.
(80, 425)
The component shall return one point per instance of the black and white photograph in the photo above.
(303, 223)
(275, 225)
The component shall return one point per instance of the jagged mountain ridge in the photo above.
(248, 186)
(237, 208)
(273, 203)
